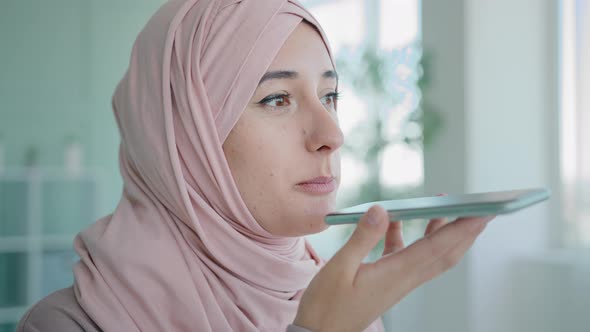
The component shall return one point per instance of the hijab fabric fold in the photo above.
(181, 251)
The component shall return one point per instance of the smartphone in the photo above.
(449, 206)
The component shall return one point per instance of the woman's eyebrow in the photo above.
(290, 74)
(330, 74)
(278, 74)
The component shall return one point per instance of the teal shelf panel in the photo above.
(57, 270)
(13, 279)
(8, 327)
(13, 207)
(67, 205)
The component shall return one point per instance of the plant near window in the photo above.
(386, 79)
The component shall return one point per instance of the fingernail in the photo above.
(372, 218)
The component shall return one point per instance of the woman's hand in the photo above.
(348, 295)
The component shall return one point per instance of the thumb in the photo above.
(369, 231)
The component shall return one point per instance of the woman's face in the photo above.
(283, 151)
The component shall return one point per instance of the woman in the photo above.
(229, 155)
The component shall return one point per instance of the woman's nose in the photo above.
(322, 130)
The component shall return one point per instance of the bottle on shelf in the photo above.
(73, 156)
(31, 160)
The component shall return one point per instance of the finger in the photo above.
(435, 224)
(365, 237)
(449, 235)
(428, 250)
(443, 256)
(394, 239)
(452, 257)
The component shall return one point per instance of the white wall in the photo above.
(511, 99)
(495, 80)
(60, 62)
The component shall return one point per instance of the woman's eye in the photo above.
(281, 100)
(330, 99)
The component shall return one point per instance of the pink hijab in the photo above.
(181, 251)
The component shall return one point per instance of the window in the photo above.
(388, 31)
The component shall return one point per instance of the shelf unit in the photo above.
(41, 210)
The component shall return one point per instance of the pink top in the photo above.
(60, 311)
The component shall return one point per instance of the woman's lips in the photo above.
(319, 185)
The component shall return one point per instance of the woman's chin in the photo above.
(318, 228)
(313, 226)
(318, 207)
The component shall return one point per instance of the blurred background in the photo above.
(438, 96)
